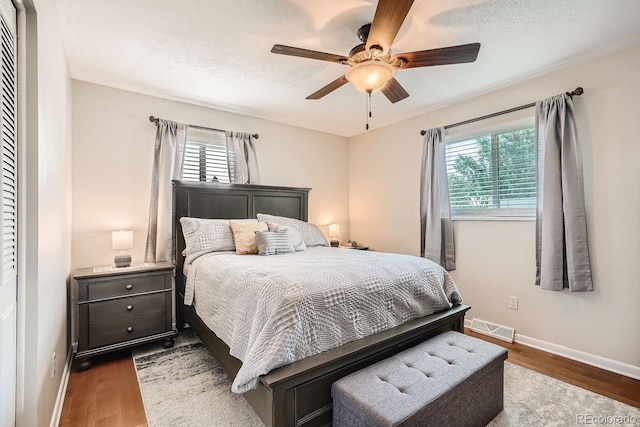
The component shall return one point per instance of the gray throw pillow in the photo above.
(292, 232)
(273, 243)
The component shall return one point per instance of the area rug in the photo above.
(185, 386)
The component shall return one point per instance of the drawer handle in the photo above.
(129, 307)
(129, 329)
(129, 287)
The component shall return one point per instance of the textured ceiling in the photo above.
(217, 52)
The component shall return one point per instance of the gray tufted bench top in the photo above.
(450, 379)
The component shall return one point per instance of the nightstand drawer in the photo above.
(127, 329)
(126, 308)
(126, 286)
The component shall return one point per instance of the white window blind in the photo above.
(205, 156)
(9, 152)
(493, 173)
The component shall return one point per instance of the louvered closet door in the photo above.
(8, 218)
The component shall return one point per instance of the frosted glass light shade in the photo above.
(370, 76)
(122, 239)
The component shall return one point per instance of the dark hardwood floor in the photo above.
(606, 383)
(108, 393)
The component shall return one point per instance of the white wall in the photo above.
(45, 215)
(113, 158)
(495, 259)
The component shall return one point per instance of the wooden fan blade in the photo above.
(306, 53)
(340, 81)
(394, 91)
(388, 19)
(442, 56)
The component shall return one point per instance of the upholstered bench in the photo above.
(449, 380)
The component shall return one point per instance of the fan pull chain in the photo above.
(368, 109)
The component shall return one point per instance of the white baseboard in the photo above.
(577, 355)
(62, 390)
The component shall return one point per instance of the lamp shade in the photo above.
(370, 76)
(334, 230)
(122, 239)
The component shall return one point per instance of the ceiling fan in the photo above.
(371, 66)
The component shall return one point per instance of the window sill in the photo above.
(493, 218)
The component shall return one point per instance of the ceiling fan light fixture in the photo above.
(371, 65)
(370, 76)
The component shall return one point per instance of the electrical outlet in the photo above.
(513, 303)
(53, 365)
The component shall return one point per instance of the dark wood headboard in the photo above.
(230, 201)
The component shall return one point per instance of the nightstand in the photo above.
(362, 248)
(116, 308)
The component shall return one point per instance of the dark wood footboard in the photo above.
(299, 394)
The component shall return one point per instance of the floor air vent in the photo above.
(503, 333)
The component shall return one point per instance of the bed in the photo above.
(297, 394)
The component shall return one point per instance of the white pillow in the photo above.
(202, 236)
(311, 234)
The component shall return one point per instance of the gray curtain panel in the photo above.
(436, 228)
(562, 250)
(241, 158)
(168, 158)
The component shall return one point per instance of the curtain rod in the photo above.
(579, 91)
(155, 120)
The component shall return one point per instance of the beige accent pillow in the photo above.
(245, 237)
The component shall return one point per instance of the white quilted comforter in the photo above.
(274, 310)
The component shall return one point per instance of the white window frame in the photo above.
(203, 141)
(495, 214)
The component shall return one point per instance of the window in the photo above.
(493, 174)
(205, 157)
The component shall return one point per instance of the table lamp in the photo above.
(334, 233)
(122, 240)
